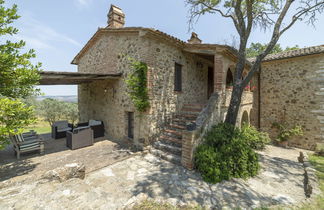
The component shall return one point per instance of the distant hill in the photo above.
(72, 98)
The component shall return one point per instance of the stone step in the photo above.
(178, 127)
(180, 121)
(191, 110)
(199, 106)
(168, 148)
(173, 133)
(171, 140)
(186, 116)
(176, 159)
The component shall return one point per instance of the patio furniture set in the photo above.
(82, 135)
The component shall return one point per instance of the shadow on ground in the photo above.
(101, 154)
(177, 185)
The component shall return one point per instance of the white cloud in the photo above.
(83, 3)
(40, 36)
(33, 42)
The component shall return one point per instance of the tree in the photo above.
(273, 15)
(18, 77)
(53, 110)
(71, 112)
(256, 48)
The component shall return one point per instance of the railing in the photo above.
(210, 115)
(205, 114)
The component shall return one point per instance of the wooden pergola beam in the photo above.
(73, 78)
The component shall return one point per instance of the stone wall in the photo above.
(108, 100)
(291, 91)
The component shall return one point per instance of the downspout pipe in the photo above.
(259, 98)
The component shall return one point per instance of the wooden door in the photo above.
(130, 124)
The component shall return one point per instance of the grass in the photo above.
(318, 164)
(40, 127)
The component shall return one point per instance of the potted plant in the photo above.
(285, 132)
(229, 86)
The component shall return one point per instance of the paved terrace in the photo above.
(119, 185)
(33, 165)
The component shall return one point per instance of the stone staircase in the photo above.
(169, 144)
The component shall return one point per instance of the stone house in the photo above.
(291, 91)
(189, 85)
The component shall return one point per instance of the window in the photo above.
(177, 77)
(130, 125)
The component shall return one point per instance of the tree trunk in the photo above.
(234, 106)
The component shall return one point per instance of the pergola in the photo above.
(73, 78)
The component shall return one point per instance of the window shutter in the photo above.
(178, 77)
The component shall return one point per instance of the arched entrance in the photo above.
(245, 118)
(229, 79)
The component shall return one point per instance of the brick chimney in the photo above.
(116, 17)
(194, 39)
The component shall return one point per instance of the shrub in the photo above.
(256, 139)
(225, 154)
(319, 149)
(285, 132)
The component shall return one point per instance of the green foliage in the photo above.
(285, 132)
(256, 139)
(71, 112)
(54, 110)
(225, 154)
(18, 77)
(319, 149)
(257, 48)
(137, 85)
(14, 115)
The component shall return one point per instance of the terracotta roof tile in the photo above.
(293, 53)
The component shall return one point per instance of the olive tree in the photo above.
(276, 16)
(52, 110)
(18, 77)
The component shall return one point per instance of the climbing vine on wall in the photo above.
(137, 85)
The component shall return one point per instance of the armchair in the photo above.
(59, 129)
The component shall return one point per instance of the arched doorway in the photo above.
(229, 79)
(245, 118)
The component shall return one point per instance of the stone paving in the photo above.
(117, 186)
(33, 165)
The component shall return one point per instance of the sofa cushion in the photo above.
(94, 122)
(64, 129)
(61, 124)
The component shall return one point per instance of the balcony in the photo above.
(247, 97)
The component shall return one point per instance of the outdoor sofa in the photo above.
(27, 142)
(97, 127)
(59, 129)
(79, 137)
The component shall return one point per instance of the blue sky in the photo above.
(58, 29)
